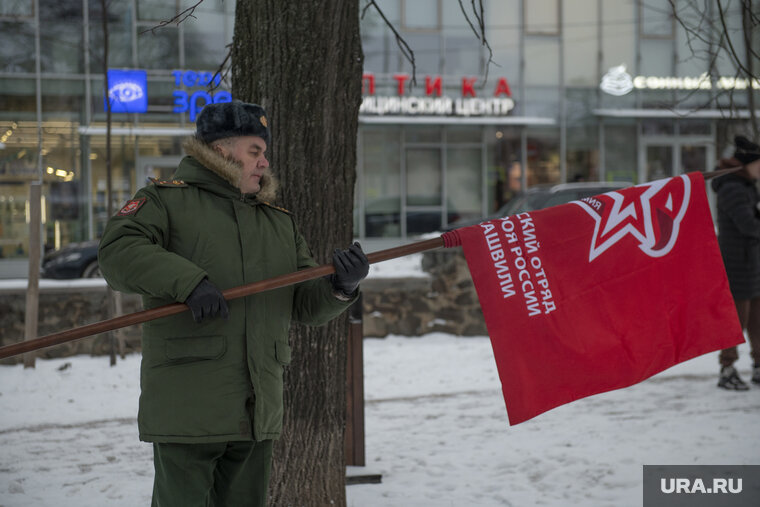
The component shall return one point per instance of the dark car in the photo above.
(545, 196)
(75, 260)
(382, 217)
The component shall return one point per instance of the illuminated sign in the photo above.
(434, 103)
(443, 106)
(127, 91)
(183, 101)
(619, 82)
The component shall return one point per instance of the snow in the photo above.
(436, 429)
(409, 266)
(20, 284)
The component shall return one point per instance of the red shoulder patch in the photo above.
(131, 207)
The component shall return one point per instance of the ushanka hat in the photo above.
(746, 151)
(231, 119)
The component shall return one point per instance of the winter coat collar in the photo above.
(739, 178)
(226, 169)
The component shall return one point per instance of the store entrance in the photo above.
(661, 158)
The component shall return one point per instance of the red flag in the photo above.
(600, 294)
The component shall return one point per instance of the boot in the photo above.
(730, 380)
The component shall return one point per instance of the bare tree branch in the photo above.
(179, 18)
(480, 32)
(402, 44)
(221, 71)
(711, 38)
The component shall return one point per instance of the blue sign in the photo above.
(194, 102)
(127, 91)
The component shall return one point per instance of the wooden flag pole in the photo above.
(229, 294)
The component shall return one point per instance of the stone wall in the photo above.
(444, 301)
(61, 309)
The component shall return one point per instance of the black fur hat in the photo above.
(231, 119)
(746, 151)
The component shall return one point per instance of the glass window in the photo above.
(463, 53)
(582, 153)
(377, 53)
(456, 134)
(18, 167)
(693, 158)
(377, 43)
(123, 169)
(156, 10)
(464, 183)
(580, 42)
(618, 34)
(63, 185)
(422, 134)
(423, 177)
(18, 158)
(63, 99)
(695, 127)
(162, 99)
(659, 162)
(655, 128)
(61, 30)
(382, 182)
(423, 190)
(542, 65)
(17, 8)
(14, 241)
(17, 47)
(504, 166)
(620, 152)
(17, 101)
(421, 14)
(158, 49)
(541, 17)
(656, 57)
(452, 17)
(427, 54)
(120, 29)
(543, 156)
(656, 20)
(205, 40)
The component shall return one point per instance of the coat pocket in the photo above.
(282, 352)
(192, 348)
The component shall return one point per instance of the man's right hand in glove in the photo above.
(206, 301)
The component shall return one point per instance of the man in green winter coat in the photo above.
(211, 378)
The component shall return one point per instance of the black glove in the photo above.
(206, 301)
(351, 267)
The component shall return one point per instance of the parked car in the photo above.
(75, 260)
(382, 217)
(545, 196)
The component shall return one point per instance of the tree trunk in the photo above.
(302, 61)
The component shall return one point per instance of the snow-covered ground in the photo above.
(436, 430)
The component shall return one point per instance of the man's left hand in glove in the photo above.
(351, 267)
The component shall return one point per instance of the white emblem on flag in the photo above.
(650, 212)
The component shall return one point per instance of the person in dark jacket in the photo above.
(211, 378)
(739, 240)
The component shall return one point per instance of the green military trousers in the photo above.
(225, 474)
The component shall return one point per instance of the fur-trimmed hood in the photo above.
(228, 169)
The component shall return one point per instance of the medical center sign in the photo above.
(434, 103)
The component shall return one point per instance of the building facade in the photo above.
(574, 90)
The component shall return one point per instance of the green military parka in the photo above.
(220, 380)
